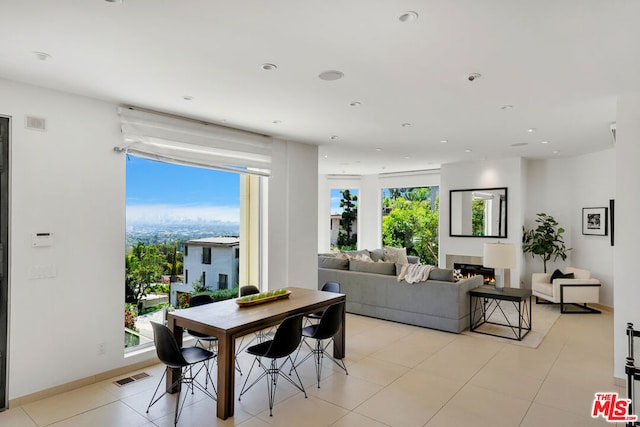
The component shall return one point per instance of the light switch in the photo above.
(42, 239)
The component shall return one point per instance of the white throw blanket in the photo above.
(414, 273)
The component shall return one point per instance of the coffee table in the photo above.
(490, 306)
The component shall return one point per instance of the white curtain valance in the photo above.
(185, 141)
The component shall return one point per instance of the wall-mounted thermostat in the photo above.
(42, 239)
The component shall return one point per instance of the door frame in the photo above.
(5, 132)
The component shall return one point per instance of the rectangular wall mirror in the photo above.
(478, 212)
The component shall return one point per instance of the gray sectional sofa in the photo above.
(372, 289)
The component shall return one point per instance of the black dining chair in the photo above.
(328, 327)
(327, 287)
(249, 290)
(285, 341)
(184, 359)
(198, 300)
(259, 336)
(195, 301)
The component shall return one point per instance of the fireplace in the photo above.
(469, 270)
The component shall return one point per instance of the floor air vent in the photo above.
(132, 378)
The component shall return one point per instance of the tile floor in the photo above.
(399, 375)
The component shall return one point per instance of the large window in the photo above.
(343, 224)
(168, 205)
(410, 220)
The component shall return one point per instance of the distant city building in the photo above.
(214, 261)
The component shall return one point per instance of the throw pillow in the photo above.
(560, 275)
(457, 274)
(442, 274)
(329, 254)
(377, 255)
(352, 254)
(413, 259)
(333, 263)
(396, 255)
(363, 257)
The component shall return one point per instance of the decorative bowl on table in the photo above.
(263, 297)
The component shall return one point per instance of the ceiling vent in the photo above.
(613, 133)
(35, 123)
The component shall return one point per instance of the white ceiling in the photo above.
(559, 63)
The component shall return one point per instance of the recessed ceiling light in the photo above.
(467, 151)
(506, 107)
(474, 76)
(408, 16)
(326, 156)
(405, 125)
(531, 130)
(444, 141)
(407, 157)
(331, 75)
(519, 144)
(42, 56)
(355, 104)
(276, 122)
(378, 149)
(556, 151)
(333, 137)
(114, 1)
(187, 98)
(269, 67)
(544, 142)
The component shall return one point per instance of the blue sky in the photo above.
(160, 192)
(336, 196)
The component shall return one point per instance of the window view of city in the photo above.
(181, 239)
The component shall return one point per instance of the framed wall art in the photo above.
(594, 221)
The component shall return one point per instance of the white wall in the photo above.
(293, 216)
(627, 286)
(561, 188)
(483, 174)
(70, 182)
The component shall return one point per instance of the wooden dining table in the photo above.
(227, 321)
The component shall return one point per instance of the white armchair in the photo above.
(576, 292)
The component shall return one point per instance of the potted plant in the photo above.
(545, 240)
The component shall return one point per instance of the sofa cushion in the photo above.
(395, 255)
(442, 274)
(413, 259)
(560, 275)
(333, 262)
(387, 268)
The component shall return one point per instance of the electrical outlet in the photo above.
(101, 348)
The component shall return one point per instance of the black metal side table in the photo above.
(485, 308)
